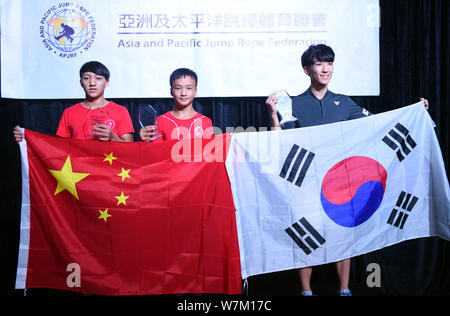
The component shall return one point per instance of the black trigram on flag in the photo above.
(305, 236)
(405, 205)
(297, 158)
(399, 140)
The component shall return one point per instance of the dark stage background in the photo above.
(415, 62)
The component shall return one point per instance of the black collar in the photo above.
(327, 95)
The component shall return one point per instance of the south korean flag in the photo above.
(321, 194)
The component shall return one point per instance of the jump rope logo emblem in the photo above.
(67, 29)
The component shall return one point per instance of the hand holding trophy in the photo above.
(148, 122)
(94, 117)
(284, 106)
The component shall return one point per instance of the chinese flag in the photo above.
(127, 218)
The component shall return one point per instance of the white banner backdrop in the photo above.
(238, 48)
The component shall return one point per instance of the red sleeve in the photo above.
(125, 125)
(63, 127)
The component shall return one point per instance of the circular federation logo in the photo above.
(352, 190)
(67, 29)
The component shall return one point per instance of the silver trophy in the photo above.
(148, 117)
(284, 106)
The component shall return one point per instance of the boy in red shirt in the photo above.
(183, 122)
(95, 117)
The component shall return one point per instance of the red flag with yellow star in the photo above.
(127, 218)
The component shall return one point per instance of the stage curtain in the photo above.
(414, 52)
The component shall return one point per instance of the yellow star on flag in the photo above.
(122, 199)
(67, 178)
(124, 174)
(104, 215)
(110, 158)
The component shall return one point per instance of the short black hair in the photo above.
(319, 52)
(183, 72)
(95, 67)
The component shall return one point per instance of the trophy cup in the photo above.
(93, 118)
(148, 117)
(285, 107)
